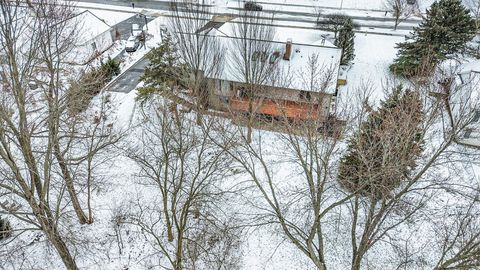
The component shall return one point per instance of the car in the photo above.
(132, 44)
(251, 5)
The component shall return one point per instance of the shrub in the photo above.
(90, 84)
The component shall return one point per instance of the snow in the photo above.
(109, 17)
(305, 44)
(264, 248)
(373, 55)
(91, 25)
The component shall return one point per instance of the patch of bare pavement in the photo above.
(128, 80)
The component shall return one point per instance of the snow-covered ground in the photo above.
(264, 248)
(373, 55)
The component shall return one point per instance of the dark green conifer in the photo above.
(165, 69)
(383, 152)
(443, 34)
(346, 41)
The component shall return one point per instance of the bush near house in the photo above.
(346, 41)
(90, 84)
(342, 27)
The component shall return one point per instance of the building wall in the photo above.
(92, 47)
(274, 101)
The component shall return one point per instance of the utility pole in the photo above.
(341, 4)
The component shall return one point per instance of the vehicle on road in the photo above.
(251, 5)
(132, 44)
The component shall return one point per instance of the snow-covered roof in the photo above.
(90, 26)
(472, 132)
(473, 66)
(304, 46)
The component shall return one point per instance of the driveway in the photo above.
(128, 80)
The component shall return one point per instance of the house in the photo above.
(291, 92)
(94, 37)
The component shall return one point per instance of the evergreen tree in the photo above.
(164, 70)
(443, 34)
(110, 68)
(346, 41)
(385, 148)
(332, 22)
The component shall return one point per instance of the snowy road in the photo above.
(301, 15)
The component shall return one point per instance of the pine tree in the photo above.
(346, 41)
(443, 34)
(332, 22)
(110, 68)
(382, 153)
(164, 70)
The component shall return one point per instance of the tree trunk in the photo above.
(179, 252)
(250, 120)
(62, 250)
(82, 218)
(50, 229)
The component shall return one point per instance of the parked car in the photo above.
(132, 44)
(251, 5)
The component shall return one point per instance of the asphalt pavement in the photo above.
(128, 80)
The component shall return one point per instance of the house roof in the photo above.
(304, 46)
(90, 25)
(473, 66)
(472, 132)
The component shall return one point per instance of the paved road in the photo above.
(125, 27)
(128, 80)
(280, 15)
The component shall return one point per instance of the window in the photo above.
(260, 56)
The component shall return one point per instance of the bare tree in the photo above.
(178, 159)
(251, 43)
(459, 238)
(304, 153)
(202, 53)
(47, 153)
(447, 109)
(400, 10)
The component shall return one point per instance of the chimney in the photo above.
(288, 50)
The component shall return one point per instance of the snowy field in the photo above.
(107, 245)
